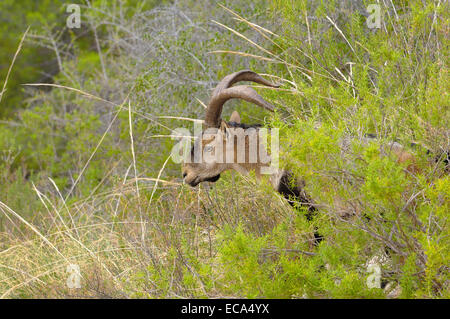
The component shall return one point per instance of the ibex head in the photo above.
(202, 165)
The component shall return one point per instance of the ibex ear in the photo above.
(235, 117)
(224, 128)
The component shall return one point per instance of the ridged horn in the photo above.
(224, 92)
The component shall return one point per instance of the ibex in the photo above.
(217, 133)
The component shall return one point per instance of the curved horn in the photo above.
(224, 92)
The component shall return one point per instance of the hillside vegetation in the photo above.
(86, 177)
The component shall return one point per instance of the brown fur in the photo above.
(406, 157)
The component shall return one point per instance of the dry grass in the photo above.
(111, 249)
(12, 62)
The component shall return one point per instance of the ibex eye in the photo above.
(209, 148)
